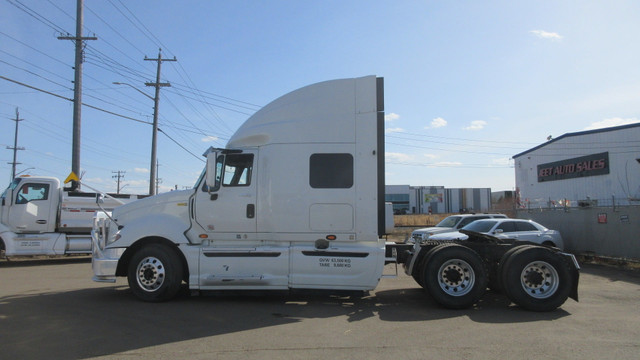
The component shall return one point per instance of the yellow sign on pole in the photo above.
(72, 177)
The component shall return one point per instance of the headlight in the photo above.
(114, 238)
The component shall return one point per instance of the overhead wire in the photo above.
(96, 57)
(34, 49)
(34, 65)
(117, 33)
(34, 14)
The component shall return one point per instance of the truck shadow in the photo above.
(110, 320)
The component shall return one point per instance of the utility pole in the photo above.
(119, 175)
(77, 88)
(158, 180)
(15, 147)
(154, 136)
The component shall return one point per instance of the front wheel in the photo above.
(455, 276)
(536, 279)
(155, 273)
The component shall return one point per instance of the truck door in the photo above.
(232, 255)
(228, 208)
(34, 208)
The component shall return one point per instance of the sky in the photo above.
(468, 84)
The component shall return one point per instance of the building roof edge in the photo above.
(578, 133)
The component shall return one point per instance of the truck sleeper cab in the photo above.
(295, 200)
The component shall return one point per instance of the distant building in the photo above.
(498, 197)
(587, 168)
(408, 199)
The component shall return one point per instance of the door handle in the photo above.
(41, 221)
(251, 211)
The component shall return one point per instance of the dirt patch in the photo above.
(627, 264)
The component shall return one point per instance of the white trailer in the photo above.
(296, 201)
(39, 217)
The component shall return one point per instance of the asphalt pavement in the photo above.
(50, 309)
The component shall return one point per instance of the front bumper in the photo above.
(104, 264)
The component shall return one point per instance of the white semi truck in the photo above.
(39, 217)
(296, 201)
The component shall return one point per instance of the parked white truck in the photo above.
(296, 201)
(39, 217)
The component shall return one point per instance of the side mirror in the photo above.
(99, 199)
(498, 231)
(211, 169)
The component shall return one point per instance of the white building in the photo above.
(437, 199)
(587, 168)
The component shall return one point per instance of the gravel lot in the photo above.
(51, 309)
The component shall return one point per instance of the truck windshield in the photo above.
(12, 186)
(200, 178)
(449, 222)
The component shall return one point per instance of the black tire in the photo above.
(416, 277)
(536, 278)
(455, 276)
(495, 282)
(418, 273)
(155, 273)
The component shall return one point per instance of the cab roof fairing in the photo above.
(324, 112)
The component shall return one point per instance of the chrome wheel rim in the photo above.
(456, 277)
(150, 274)
(539, 279)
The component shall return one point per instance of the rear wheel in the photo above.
(536, 279)
(155, 273)
(495, 282)
(418, 274)
(455, 276)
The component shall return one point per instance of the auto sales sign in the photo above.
(590, 165)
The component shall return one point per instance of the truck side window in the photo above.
(237, 170)
(331, 171)
(32, 192)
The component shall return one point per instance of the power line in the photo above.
(34, 65)
(117, 33)
(34, 49)
(68, 99)
(180, 145)
(449, 138)
(176, 126)
(34, 14)
(219, 106)
(451, 165)
(452, 150)
(34, 74)
(249, 106)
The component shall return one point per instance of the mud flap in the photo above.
(575, 274)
